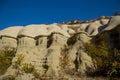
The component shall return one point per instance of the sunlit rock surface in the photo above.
(44, 46)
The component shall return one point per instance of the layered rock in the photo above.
(43, 46)
(8, 36)
(79, 59)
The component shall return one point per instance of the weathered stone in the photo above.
(43, 45)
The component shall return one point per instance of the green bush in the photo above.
(6, 56)
(28, 68)
(19, 61)
(100, 55)
(106, 65)
(114, 65)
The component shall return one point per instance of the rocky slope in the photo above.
(55, 50)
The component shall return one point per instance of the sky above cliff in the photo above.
(24, 12)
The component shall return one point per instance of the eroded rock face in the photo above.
(47, 47)
(7, 41)
(79, 59)
(8, 36)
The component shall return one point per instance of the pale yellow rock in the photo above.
(114, 22)
(11, 31)
(41, 45)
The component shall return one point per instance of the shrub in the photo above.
(106, 65)
(19, 61)
(28, 68)
(6, 56)
(114, 65)
(100, 55)
(18, 64)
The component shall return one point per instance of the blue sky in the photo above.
(24, 12)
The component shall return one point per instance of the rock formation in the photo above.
(45, 46)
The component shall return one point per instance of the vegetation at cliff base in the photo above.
(6, 56)
(107, 65)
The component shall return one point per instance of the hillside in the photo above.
(62, 51)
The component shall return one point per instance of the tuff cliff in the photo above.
(57, 50)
